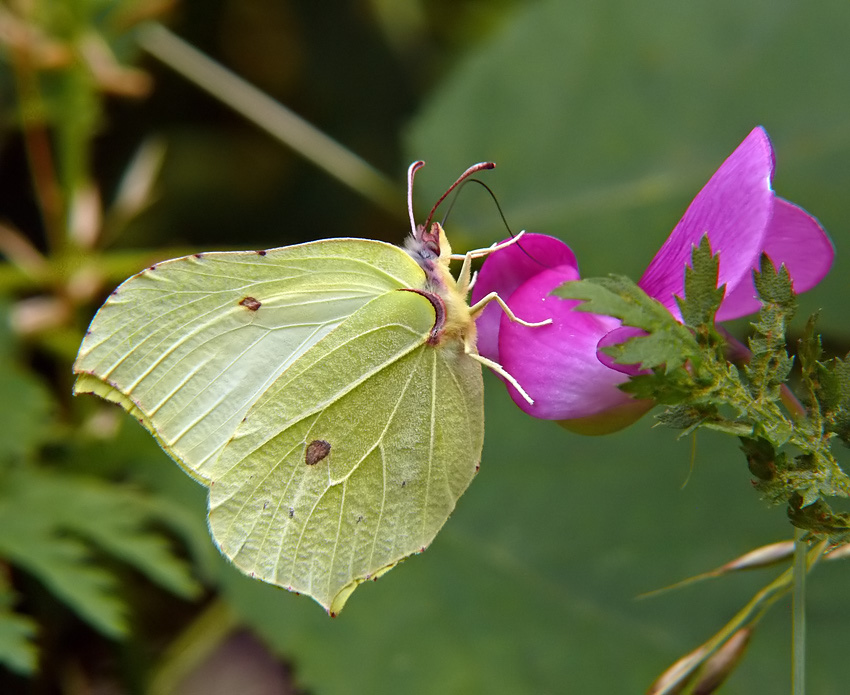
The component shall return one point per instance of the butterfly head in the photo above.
(427, 242)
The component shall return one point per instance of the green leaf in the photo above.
(702, 295)
(18, 652)
(616, 296)
(663, 348)
(667, 389)
(128, 535)
(52, 525)
(840, 414)
(770, 364)
(774, 286)
(668, 343)
(809, 347)
(822, 391)
(817, 517)
(25, 404)
(128, 453)
(682, 417)
(67, 569)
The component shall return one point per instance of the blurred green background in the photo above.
(605, 118)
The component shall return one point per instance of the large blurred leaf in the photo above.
(531, 586)
(25, 405)
(606, 118)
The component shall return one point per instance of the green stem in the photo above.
(200, 639)
(798, 642)
(273, 117)
(39, 149)
(748, 616)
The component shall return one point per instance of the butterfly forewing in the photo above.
(189, 345)
(399, 424)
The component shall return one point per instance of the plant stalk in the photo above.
(798, 640)
(272, 116)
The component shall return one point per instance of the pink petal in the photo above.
(794, 238)
(557, 364)
(734, 208)
(615, 337)
(507, 269)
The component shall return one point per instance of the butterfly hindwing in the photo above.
(399, 427)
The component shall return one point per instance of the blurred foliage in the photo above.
(604, 118)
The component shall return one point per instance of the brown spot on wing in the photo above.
(251, 303)
(316, 451)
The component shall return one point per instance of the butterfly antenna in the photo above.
(465, 175)
(411, 172)
(498, 207)
(492, 195)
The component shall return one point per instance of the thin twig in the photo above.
(279, 121)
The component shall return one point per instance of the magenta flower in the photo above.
(559, 365)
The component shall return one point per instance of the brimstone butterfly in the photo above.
(329, 395)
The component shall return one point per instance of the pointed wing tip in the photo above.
(337, 602)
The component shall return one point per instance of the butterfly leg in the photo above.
(496, 367)
(478, 307)
(474, 311)
(480, 253)
(463, 277)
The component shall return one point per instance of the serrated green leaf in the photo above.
(822, 391)
(842, 371)
(662, 348)
(617, 296)
(839, 418)
(667, 343)
(809, 347)
(171, 500)
(18, 652)
(770, 364)
(666, 389)
(127, 536)
(681, 417)
(52, 523)
(67, 569)
(774, 286)
(25, 403)
(702, 295)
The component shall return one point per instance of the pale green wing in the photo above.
(354, 458)
(189, 345)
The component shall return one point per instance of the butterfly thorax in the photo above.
(432, 251)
